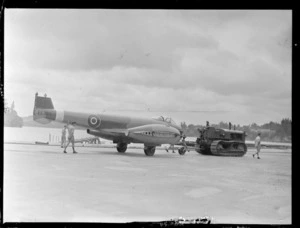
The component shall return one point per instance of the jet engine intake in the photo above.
(93, 132)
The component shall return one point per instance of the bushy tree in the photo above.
(286, 125)
(11, 118)
(183, 126)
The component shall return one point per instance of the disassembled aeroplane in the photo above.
(122, 130)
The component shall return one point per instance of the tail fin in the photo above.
(43, 111)
(43, 102)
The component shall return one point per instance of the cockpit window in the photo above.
(165, 119)
(160, 118)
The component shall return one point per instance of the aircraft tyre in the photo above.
(181, 151)
(121, 147)
(149, 150)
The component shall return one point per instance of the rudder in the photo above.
(43, 111)
(43, 102)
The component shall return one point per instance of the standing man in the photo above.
(71, 139)
(170, 147)
(257, 145)
(184, 143)
(63, 136)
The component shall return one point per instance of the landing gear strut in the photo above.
(149, 150)
(183, 149)
(121, 147)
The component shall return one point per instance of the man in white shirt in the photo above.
(257, 145)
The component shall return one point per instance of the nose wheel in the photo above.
(182, 150)
(149, 150)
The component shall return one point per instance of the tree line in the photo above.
(11, 117)
(272, 131)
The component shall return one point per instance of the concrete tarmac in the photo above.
(41, 184)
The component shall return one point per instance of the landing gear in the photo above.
(121, 147)
(182, 150)
(149, 150)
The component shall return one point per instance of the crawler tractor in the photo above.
(221, 142)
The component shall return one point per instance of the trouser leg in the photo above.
(73, 145)
(63, 142)
(67, 144)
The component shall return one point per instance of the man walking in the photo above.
(63, 136)
(71, 139)
(170, 147)
(257, 145)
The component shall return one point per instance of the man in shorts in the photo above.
(71, 139)
(257, 145)
(170, 147)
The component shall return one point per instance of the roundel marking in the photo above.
(94, 121)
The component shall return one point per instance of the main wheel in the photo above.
(181, 151)
(150, 150)
(121, 147)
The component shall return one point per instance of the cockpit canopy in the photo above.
(165, 119)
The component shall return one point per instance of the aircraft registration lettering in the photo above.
(156, 133)
(163, 134)
(40, 112)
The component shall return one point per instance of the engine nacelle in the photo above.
(93, 132)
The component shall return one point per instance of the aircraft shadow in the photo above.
(54, 152)
(141, 154)
(133, 154)
(34, 152)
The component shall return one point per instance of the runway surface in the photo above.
(41, 184)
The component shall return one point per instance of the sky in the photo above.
(192, 65)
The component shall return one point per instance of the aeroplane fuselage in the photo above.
(120, 129)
